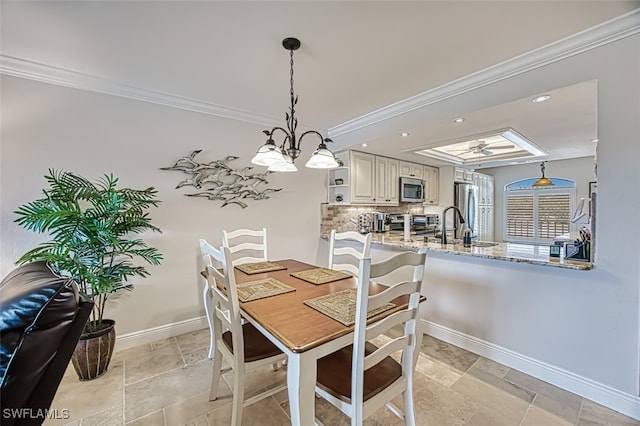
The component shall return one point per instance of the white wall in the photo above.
(579, 170)
(45, 126)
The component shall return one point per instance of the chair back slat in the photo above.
(246, 246)
(397, 290)
(379, 327)
(242, 245)
(350, 251)
(357, 255)
(416, 260)
(346, 267)
(386, 350)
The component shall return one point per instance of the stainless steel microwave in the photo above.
(411, 190)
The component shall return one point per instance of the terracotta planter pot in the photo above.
(93, 352)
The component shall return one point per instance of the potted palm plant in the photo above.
(93, 229)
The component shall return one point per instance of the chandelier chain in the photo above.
(291, 79)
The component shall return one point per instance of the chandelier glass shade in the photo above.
(281, 158)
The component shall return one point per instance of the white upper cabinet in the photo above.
(362, 172)
(432, 185)
(387, 184)
(413, 170)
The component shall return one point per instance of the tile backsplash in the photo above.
(338, 216)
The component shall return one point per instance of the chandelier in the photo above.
(281, 158)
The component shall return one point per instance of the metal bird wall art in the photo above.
(217, 180)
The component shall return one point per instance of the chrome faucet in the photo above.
(444, 222)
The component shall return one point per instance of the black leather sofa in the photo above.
(41, 318)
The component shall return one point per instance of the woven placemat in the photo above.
(341, 306)
(260, 289)
(320, 275)
(260, 267)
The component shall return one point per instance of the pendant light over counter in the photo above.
(543, 181)
(281, 158)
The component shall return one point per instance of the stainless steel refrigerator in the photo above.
(465, 197)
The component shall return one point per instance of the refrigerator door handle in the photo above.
(471, 219)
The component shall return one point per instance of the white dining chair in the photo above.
(242, 346)
(362, 378)
(348, 251)
(207, 251)
(246, 240)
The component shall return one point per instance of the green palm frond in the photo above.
(90, 227)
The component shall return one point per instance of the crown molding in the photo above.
(49, 74)
(608, 32)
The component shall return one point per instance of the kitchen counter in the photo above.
(511, 252)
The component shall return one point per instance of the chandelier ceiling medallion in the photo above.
(281, 158)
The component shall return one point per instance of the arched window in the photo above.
(538, 214)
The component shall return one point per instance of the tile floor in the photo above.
(167, 383)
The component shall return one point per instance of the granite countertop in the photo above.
(523, 253)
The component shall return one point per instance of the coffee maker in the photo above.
(380, 221)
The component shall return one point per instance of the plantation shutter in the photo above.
(520, 216)
(553, 215)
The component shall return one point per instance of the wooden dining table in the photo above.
(302, 332)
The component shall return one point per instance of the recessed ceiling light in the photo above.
(364, 145)
(541, 98)
(458, 120)
(404, 134)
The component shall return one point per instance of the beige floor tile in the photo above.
(452, 356)
(330, 415)
(151, 360)
(149, 395)
(167, 383)
(565, 405)
(437, 371)
(257, 379)
(195, 356)
(201, 420)
(262, 413)
(195, 340)
(549, 398)
(434, 403)
(86, 398)
(495, 368)
(197, 405)
(110, 417)
(537, 417)
(154, 419)
(593, 414)
(506, 399)
(487, 417)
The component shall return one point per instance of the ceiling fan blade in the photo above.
(503, 147)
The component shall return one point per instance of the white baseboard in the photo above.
(149, 335)
(622, 402)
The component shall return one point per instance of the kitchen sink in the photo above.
(483, 244)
